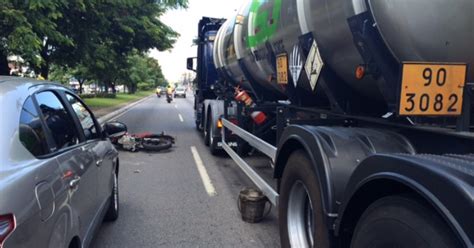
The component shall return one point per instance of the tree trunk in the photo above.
(114, 91)
(4, 69)
(81, 84)
(44, 68)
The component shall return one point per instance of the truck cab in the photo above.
(203, 65)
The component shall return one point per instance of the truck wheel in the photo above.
(398, 221)
(302, 221)
(212, 142)
(207, 130)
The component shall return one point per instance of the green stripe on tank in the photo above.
(262, 22)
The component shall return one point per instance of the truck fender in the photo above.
(335, 152)
(444, 182)
(299, 138)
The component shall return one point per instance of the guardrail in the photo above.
(260, 145)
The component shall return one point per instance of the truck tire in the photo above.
(401, 221)
(207, 129)
(301, 217)
(212, 141)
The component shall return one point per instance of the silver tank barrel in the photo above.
(421, 30)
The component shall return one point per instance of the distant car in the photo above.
(163, 91)
(180, 91)
(58, 169)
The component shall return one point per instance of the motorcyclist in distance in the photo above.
(169, 93)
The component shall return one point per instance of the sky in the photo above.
(173, 62)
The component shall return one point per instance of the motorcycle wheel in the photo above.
(156, 142)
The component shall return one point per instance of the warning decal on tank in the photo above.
(296, 64)
(313, 66)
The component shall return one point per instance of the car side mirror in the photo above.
(114, 129)
(190, 64)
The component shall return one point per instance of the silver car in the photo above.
(58, 169)
(180, 91)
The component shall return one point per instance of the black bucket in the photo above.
(252, 204)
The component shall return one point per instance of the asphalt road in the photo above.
(164, 200)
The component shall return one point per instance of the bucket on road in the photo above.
(252, 205)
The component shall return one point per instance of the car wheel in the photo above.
(113, 211)
(402, 221)
(301, 215)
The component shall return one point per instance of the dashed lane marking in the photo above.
(180, 117)
(206, 180)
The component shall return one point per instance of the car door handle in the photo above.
(99, 162)
(74, 182)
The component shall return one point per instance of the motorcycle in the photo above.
(169, 98)
(146, 141)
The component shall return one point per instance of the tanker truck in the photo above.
(363, 108)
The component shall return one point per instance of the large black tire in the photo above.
(112, 213)
(298, 184)
(156, 143)
(401, 221)
(207, 129)
(212, 141)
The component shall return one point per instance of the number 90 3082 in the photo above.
(432, 89)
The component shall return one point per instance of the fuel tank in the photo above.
(421, 30)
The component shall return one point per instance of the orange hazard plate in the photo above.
(432, 89)
(282, 68)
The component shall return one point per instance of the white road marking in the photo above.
(176, 106)
(206, 180)
(180, 117)
(120, 115)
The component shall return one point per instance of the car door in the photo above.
(37, 190)
(105, 154)
(76, 161)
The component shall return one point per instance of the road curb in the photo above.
(119, 111)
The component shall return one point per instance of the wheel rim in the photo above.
(300, 217)
(115, 193)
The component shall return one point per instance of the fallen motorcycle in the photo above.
(144, 141)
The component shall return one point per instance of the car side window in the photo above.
(31, 131)
(58, 120)
(85, 117)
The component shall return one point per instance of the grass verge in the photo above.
(100, 103)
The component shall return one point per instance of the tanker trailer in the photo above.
(367, 117)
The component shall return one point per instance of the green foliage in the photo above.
(60, 74)
(97, 102)
(100, 40)
(142, 71)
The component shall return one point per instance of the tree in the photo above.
(124, 30)
(73, 32)
(142, 72)
(28, 28)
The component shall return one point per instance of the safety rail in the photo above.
(259, 144)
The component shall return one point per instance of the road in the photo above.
(166, 199)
